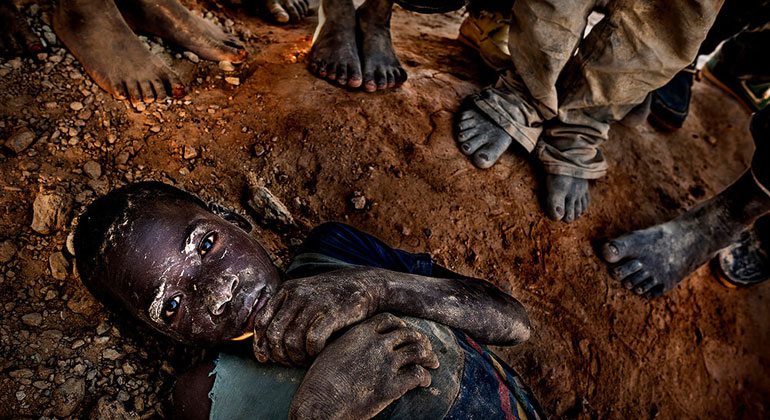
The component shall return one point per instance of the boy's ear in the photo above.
(230, 216)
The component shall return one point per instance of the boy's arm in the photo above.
(305, 312)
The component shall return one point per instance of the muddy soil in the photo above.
(385, 163)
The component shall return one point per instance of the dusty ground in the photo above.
(598, 352)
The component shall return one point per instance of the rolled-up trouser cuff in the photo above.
(511, 112)
(572, 162)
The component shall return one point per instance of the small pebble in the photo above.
(191, 56)
(76, 106)
(233, 81)
(226, 66)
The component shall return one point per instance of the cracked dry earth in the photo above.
(386, 163)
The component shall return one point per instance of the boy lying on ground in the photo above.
(194, 273)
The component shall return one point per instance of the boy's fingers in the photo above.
(318, 333)
(414, 376)
(265, 315)
(276, 330)
(296, 336)
(416, 354)
(261, 352)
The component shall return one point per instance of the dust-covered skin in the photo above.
(170, 20)
(334, 55)
(189, 273)
(295, 324)
(16, 37)
(481, 137)
(360, 373)
(566, 197)
(652, 261)
(380, 66)
(96, 33)
(284, 11)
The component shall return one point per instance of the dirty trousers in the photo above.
(565, 90)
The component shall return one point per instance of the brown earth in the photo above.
(597, 351)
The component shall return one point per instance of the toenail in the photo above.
(483, 156)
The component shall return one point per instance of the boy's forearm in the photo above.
(475, 306)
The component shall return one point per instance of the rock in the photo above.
(190, 152)
(259, 150)
(226, 66)
(76, 106)
(269, 208)
(111, 410)
(359, 202)
(82, 303)
(140, 107)
(233, 81)
(7, 251)
(20, 140)
(33, 320)
(111, 354)
(68, 396)
(92, 169)
(191, 56)
(50, 212)
(59, 266)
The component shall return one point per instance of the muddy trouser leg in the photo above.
(543, 37)
(638, 47)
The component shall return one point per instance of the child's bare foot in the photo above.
(334, 55)
(170, 20)
(567, 197)
(284, 11)
(652, 261)
(16, 37)
(381, 67)
(95, 32)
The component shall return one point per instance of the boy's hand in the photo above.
(295, 324)
(367, 368)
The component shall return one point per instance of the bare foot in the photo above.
(284, 11)
(334, 55)
(479, 136)
(16, 37)
(567, 197)
(170, 20)
(95, 32)
(652, 261)
(380, 65)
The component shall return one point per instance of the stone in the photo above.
(359, 202)
(33, 320)
(76, 106)
(111, 354)
(20, 140)
(68, 396)
(190, 152)
(50, 212)
(226, 66)
(140, 107)
(92, 169)
(7, 251)
(111, 410)
(270, 210)
(70, 243)
(233, 81)
(59, 266)
(191, 56)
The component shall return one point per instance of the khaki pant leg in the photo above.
(638, 47)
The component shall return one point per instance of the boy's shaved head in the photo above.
(158, 252)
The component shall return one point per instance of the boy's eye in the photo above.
(207, 243)
(171, 307)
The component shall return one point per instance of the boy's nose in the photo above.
(221, 293)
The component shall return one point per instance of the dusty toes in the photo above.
(383, 78)
(615, 250)
(487, 155)
(277, 11)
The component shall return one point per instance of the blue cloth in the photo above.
(471, 381)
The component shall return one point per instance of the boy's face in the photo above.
(191, 274)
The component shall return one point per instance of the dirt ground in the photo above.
(597, 351)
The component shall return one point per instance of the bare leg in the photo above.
(334, 55)
(381, 67)
(16, 37)
(652, 261)
(95, 32)
(170, 20)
